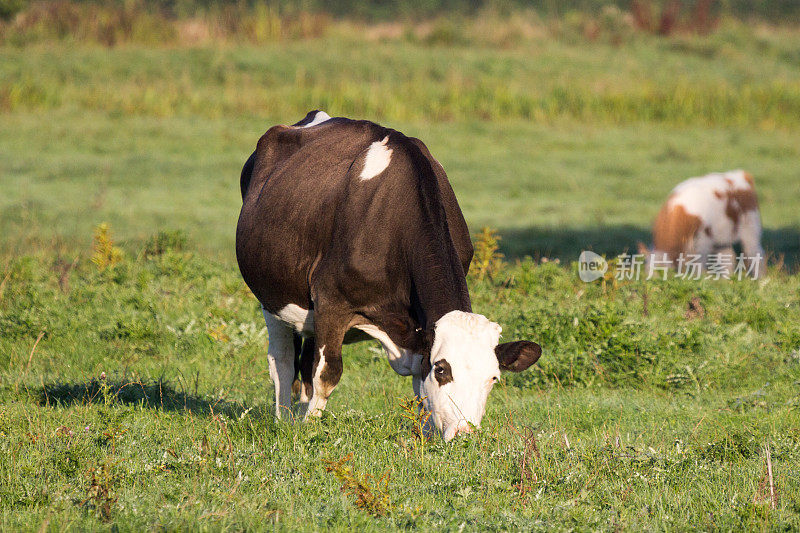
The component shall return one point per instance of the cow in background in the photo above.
(706, 216)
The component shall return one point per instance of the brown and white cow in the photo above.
(350, 230)
(708, 215)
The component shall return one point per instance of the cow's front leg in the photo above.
(307, 357)
(327, 369)
(281, 355)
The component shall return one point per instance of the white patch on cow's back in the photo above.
(302, 320)
(377, 159)
(319, 118)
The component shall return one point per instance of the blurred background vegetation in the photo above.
(445, 21)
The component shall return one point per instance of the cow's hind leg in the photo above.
(281, 356)
(327, 369)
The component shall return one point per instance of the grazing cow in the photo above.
(706, 216)
(350, 230)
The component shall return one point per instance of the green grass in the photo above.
(666, 419)
(687, 80)
(642, 418)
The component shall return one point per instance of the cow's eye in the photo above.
(442, 372)
(495, 379)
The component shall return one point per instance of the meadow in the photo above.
(134, 390)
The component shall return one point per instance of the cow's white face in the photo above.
(465, 363)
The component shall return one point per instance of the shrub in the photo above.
(104, 253)
(488, 260)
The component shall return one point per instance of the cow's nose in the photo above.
(463, 429)
(454, 431)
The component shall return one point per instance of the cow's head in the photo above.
(465, 362)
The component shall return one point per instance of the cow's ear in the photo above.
(518, 355)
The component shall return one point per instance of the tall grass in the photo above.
(775, 104)
(167, 22)
(374, 10)
(492, 67)
(704, 81)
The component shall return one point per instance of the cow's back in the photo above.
(295, 185)
(305, 200)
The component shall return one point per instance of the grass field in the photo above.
(636, 416)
